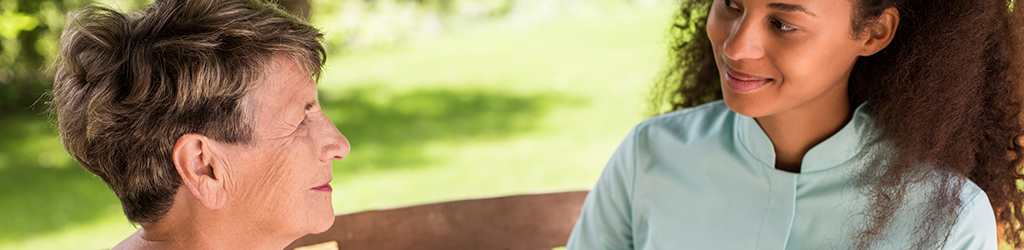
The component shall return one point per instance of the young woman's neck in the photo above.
(795, 131)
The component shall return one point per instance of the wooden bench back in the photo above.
(520, 222)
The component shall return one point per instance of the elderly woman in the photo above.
(202, 116)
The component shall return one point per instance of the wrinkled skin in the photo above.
(295, 144)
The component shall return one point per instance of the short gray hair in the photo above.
(128, 85)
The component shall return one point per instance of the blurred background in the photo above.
(441, 100)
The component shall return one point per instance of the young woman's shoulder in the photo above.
(975, 225)
(695, 123)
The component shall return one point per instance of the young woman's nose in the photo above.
(745, 41)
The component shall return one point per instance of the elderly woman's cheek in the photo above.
(274, 193)
(262, 183)
(268, 169)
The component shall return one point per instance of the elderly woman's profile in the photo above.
(202, 117)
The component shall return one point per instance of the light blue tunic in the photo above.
(704, 178)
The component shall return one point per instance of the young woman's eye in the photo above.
(781, 26)
(730, 4)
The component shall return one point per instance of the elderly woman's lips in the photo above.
(324, 188)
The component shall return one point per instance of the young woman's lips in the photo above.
(739, 82)
(324, 188)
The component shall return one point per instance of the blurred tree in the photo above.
(28, 40)
(29, 31)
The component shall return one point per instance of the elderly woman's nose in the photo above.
(334, 145)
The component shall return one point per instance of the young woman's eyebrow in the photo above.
(790, 8)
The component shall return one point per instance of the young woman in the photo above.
(825, 124)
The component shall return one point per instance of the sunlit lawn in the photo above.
(484, 110)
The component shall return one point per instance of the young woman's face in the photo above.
(777, 55)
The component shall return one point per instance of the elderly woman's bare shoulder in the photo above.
(135, 241)
(141, 240)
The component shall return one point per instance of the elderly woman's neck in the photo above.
(190, 225)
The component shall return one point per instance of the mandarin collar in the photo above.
(838, 149)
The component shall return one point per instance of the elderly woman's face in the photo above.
(282, 180)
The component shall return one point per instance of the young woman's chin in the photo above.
(749, 104)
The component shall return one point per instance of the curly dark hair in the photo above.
(946, 93)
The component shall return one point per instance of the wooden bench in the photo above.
(520, 222)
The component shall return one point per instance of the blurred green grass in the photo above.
(489, 109)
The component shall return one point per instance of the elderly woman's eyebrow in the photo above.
(790, 8)
(310, 105)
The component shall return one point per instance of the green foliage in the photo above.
(15, 22)
(353, 25)
(356, 25)
(27, 45)
(31, 29)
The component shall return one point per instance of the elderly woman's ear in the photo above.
(197, 160)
